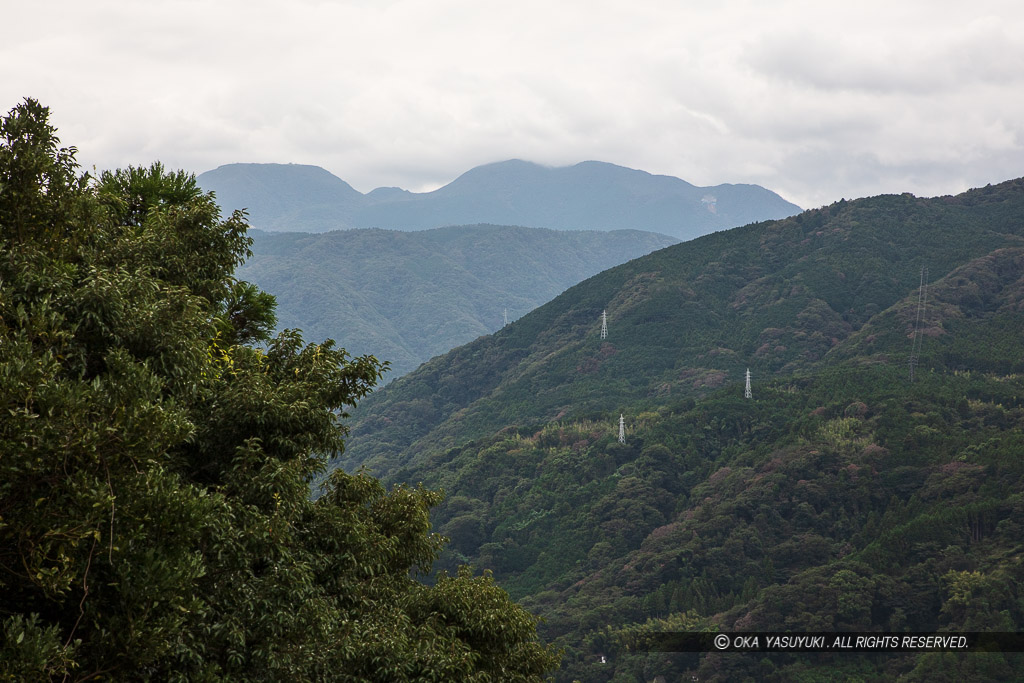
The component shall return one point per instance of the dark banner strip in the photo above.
(827, 642)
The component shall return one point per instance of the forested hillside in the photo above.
(843, 495)
(157, 445)
(588, 196)
(409, 296)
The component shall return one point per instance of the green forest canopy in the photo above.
(156, 449)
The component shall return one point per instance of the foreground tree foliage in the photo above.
(155, 517)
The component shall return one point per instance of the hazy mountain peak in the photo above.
(270, 174)
(495, 176)
(389, 194)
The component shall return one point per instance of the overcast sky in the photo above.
(815, 100)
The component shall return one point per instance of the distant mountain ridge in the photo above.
(591, 195)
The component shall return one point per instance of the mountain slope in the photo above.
(284, 196)
(588, 196)
(773, 297)
(408, 296)
(841, 497)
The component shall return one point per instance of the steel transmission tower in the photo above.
(622, 429)
(746, 389)
(506, 316)
(922, 302)
(604, 324)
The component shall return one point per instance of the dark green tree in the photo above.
(155, 466)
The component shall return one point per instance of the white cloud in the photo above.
(814, 100)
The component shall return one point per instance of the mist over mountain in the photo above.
(408, 296)
(588, 196)
(872, 482)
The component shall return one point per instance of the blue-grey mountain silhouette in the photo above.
(588, 196)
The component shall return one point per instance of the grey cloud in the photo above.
(813, 101)
(982, 54)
